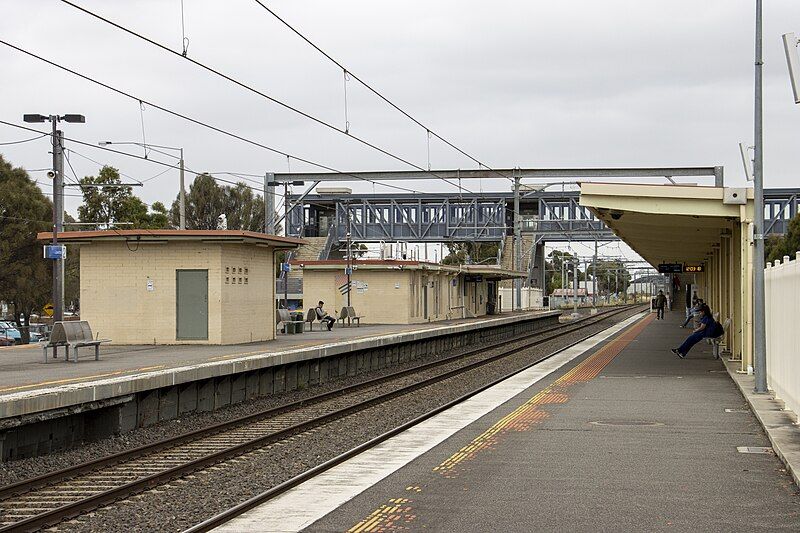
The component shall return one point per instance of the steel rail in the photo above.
(108, 496)
(229, 514)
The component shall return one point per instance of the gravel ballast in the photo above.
(183, 503)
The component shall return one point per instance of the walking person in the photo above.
(661, 302)
(323, 315)
(708, 328)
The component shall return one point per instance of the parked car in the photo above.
(7, 329)
(6, 341)
(39, 332)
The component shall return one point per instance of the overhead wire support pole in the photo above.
(58, 218)
(269, 204)
(517, 246)
(759, 329)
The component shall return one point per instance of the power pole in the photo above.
(58, 218)
(269, 204)
(594, 276)
(349, 268)
(182, 197)
(759, 338)
(517, 246)
(575, 283)
(286, 208)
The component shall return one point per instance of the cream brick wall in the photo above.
(384, 302)
(396, 296)
(116, 303)
(248, 299)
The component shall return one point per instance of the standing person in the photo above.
(323, 315)
(708, 328)
(661, 301)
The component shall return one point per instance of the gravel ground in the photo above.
(12, 472)
(183, 503)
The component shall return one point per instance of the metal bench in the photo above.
(716, 341)
(283, 317)
(311, 316)
(349, 313)
(73, 334)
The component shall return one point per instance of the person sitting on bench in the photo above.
(323, 315)
(708, 328)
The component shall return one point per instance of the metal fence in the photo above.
(782, 311)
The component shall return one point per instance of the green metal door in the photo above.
(192, 304)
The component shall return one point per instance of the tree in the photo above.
(788, 244)
(107, 206)
(470, 252)
(25, 277)
(208, 204)
(205, 204)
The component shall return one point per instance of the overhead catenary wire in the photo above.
(24, 140)
(324, 123)
(197, 121)
(378, 93)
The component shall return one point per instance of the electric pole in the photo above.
(182, 197)
(759, 344)
(269, 203)
(517, 246)
(349, 267)
(57, 255)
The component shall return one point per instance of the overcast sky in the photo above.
(529, 84)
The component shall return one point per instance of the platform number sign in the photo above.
(55, 251)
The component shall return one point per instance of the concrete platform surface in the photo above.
(29, 385)
(624, 438)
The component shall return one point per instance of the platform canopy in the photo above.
(706, 228)
(669, 223)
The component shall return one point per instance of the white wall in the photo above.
(783, 336)
(531, 298)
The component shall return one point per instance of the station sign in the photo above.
(473, 278)
(55, 251)
(670, 268)
(694, 268)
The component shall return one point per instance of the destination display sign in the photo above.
(670, 268)
(693, 268)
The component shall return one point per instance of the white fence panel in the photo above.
(783, 330)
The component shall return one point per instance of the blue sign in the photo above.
(58, 251)
(286, 267)
(348, 271)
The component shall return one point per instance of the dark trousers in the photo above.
(329, 321)
(688, 319)
(691, 340)
(660, 313)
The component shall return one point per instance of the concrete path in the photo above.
(628, 438)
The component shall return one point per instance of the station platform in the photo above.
(28, 386)
(614, 434)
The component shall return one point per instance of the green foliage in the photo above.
(461, 253)
(107, 206)
(207, 202)
(25, 277)
(778, 246)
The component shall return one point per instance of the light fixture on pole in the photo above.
(790, 43)
(182, 190)
(54, 251)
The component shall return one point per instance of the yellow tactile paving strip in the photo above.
(397, 513)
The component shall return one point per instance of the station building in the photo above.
(708, 230)
(178, 286)
(404, 292)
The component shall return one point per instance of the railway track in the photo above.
(46, 500)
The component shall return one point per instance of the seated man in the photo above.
(323, 315)
(708, 328)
